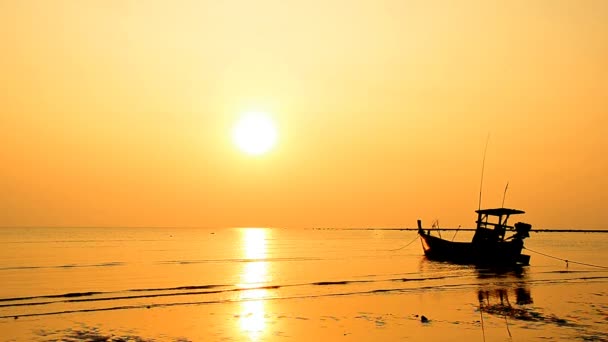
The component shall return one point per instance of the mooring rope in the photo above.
(411, 242)
(566, 260)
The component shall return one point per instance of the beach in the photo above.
(267, 170)
(261, 284)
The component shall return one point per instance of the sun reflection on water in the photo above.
(254, 243)
(255, 274)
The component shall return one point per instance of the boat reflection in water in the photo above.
(255, 274)
(507, 284)
(499, 298)
(497, 302)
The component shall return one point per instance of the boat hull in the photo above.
(498, 253)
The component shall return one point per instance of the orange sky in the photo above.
(119, 113)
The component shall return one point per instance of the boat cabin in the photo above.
(492, 225)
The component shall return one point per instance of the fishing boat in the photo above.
(495, 243)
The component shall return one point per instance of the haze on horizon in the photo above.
(119, 113)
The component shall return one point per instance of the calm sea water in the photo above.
(64, 284)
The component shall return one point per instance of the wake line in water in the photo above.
(221, 301)
(150, 306)
(270, 287)
(83, 294)
(186, 262)
(571, 272)
(103, 264)
(174, 294)
(344, 282)
(166, 262)
(212, 286)
(77, 241)
(200, 287)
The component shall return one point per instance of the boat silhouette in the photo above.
(492, 245)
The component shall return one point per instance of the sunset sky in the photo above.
(121, 113)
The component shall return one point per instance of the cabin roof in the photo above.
(500, 211)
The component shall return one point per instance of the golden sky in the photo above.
(119, 113)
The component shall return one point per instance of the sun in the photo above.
(255, 133)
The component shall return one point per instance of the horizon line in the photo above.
(539, 230)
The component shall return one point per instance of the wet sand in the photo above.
(558, 312)
(298, 286)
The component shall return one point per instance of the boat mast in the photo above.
(504, 195)
(483, 165)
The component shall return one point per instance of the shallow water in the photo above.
(267, 284)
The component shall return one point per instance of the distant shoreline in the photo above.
(473, 229)
(540, 230)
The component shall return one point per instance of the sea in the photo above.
(272, 284)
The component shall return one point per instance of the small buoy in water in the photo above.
(423, 319)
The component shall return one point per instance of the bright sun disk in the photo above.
(255, 134)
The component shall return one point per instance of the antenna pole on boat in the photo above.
(504, 195)
(483, 165)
